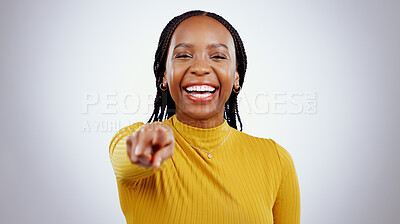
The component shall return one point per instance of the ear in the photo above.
(236, 84)
(164, 79)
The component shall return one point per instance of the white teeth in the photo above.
(201, 95)
(200, 91)
(200, 88)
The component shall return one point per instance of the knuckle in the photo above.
(147, 130)
(166, 128)
(148, 127)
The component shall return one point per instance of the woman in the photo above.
(191, 165)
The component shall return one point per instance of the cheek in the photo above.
(177, 72)
(169, 73)
(226, 76)
(174, 76)
(227, 80)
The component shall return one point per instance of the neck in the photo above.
(200, 122)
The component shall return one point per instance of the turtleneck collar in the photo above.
(205, 138)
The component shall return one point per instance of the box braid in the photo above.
(164, 106)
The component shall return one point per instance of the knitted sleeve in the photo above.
(286, 209)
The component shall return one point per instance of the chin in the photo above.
(201, 112)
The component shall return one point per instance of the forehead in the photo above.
(202, 29)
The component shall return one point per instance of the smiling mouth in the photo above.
(200, 91)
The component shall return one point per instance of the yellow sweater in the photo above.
(247, 180)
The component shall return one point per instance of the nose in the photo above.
(200, 66)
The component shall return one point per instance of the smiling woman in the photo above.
(190, 164)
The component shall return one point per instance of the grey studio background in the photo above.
(322, 81)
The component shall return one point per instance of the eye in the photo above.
(218, 56)
(183, 55)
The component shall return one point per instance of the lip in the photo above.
(200, 100)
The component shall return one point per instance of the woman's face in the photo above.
(201, 70)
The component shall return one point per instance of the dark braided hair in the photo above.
(164, 106)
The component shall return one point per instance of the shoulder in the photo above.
(285, 160)
(128, 130)
(267, 146)
(284, 156)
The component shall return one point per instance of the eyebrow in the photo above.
(215, 45)
(183, 45)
